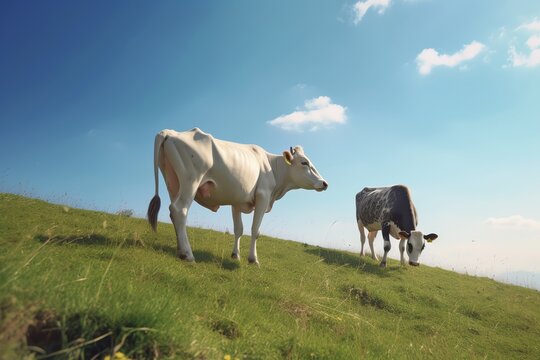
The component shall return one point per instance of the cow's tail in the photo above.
(155, 203)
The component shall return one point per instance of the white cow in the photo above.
(213, 172)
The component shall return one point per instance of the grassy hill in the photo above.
(82, 284)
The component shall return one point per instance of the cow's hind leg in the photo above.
(371, 239)
(387, 245)
(362, 236)
(179, 210)
(238, 231)
(182, 195)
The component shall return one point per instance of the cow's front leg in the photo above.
(261, 204)
(238, 232)
(402, 250)
(387, 245)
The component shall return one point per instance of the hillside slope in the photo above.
(80, 283)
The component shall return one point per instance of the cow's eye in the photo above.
(409, 248)
(423, 246)
(305, 163)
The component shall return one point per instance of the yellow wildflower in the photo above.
(116, 356)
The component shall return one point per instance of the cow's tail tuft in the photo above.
(155, 203)
(153, 209)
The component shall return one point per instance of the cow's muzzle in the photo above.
(414, 263)
(323, 187)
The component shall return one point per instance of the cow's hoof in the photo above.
(186, 258)
(235, 256)
(382, 265)
(252, 261)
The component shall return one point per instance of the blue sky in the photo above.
(442, 96)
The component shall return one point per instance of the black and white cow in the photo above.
(391, 210)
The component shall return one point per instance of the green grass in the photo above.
(84, 283)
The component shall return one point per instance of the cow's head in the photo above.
(302, 171)
(416, 243)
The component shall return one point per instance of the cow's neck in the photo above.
(282, 176)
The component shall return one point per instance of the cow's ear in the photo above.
(288, 157)
(430, 237)
(404, 234)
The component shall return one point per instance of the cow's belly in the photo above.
(212, 198)
(227, 189)
(376, 226)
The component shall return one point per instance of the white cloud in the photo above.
(361, 7)
(532, 26)
(430, 58)
(533, 42)
(518, 59)
(514, 221)
(318, 112)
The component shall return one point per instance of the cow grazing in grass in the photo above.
(391, 210)
(213, 172)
